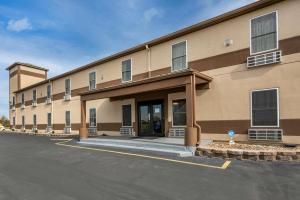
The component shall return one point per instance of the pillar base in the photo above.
(190, 137)
(83, 133)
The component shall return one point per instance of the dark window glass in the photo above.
(23, 121)
(126, 110)
(264, 33)
(93, 119)
(34, 120)
(68, 86)
(265, 108)
(14, 121)
(126, 70)
(179, 112)
(48, 91)
(23, 98)
(34, 95)
(14, 101)
(49, 121)
(68, 119)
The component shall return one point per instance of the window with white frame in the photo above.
(14, 121)
(23, 121)
(23, 99)
(126, 110)
(49, 91)
(265, 108)
(92, 80)
(264, 33)
(34, 95)
(67, 86)
(179, 112)
(49, 120)
(68, 119)
(126, 70)
(93, 119)
(14, 102)
(179, 56)
(34, 121)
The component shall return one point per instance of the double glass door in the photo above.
(151, 118)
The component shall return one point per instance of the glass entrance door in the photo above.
(151, 118)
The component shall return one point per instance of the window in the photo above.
(23, 99)
(126, 110)
(49, 120)
(14, 121)
(48, 91)
(14, 102)
(265, 108)
(179, 112)
(126, 70)
(68, 86)
(34, 95)
(264, 33)
(92, 80)
(179, 56)
(34, 121)
(93, 121)
(23, 121)
(68, 119)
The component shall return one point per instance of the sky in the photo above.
(64, 34)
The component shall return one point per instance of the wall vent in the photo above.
(265, 134)
(177, 132)
(67, 97)
(48, 101)
(34, 104)
(126, 131)
(67, 130)
(92, 131)
(23, 106)
(264, 59)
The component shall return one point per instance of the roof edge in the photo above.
(27, 65)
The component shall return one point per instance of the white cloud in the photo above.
(152, 13)
(19, 25)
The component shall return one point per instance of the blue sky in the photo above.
(63, 34)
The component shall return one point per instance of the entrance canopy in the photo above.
(162, 82)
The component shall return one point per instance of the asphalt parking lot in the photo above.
(33, 167)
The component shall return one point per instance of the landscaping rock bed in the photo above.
(249, 151)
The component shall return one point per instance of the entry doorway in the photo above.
(151, 118)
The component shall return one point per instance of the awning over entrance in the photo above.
(162, 82)
(186, 80)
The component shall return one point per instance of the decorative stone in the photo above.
(235, 153)
(251, 155)
(206, 151)
(198, 153)
(268, 155)
(222, 153)
(286, 155)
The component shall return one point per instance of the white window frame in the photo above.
(186, 56)
(90, 89)
(277, 33)
(50, 91)
(34, 100)
(22, 98)
(131, 107)
(13, 101)
(90, 118)
(34, 125)
(50, 120)
(278, 107)
(70, 86)
(14, 121)
(131, 63)
(66, 119)
(177, 99)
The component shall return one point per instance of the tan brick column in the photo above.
(83, 133)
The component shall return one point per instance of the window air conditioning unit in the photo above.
(34, 104)
(264, 59)
(34, 129)
(67, 97)
(177, 132)
(49, 129)
(48, 101)
(92, 131)
(126, 131)
(67, 130)
(23, 106)
(265, 134)
(13, 108)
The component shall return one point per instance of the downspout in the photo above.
(148, 60)
(52, 114)
(194, 113)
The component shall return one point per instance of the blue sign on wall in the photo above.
(231, 133)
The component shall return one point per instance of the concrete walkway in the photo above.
(167, 145)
